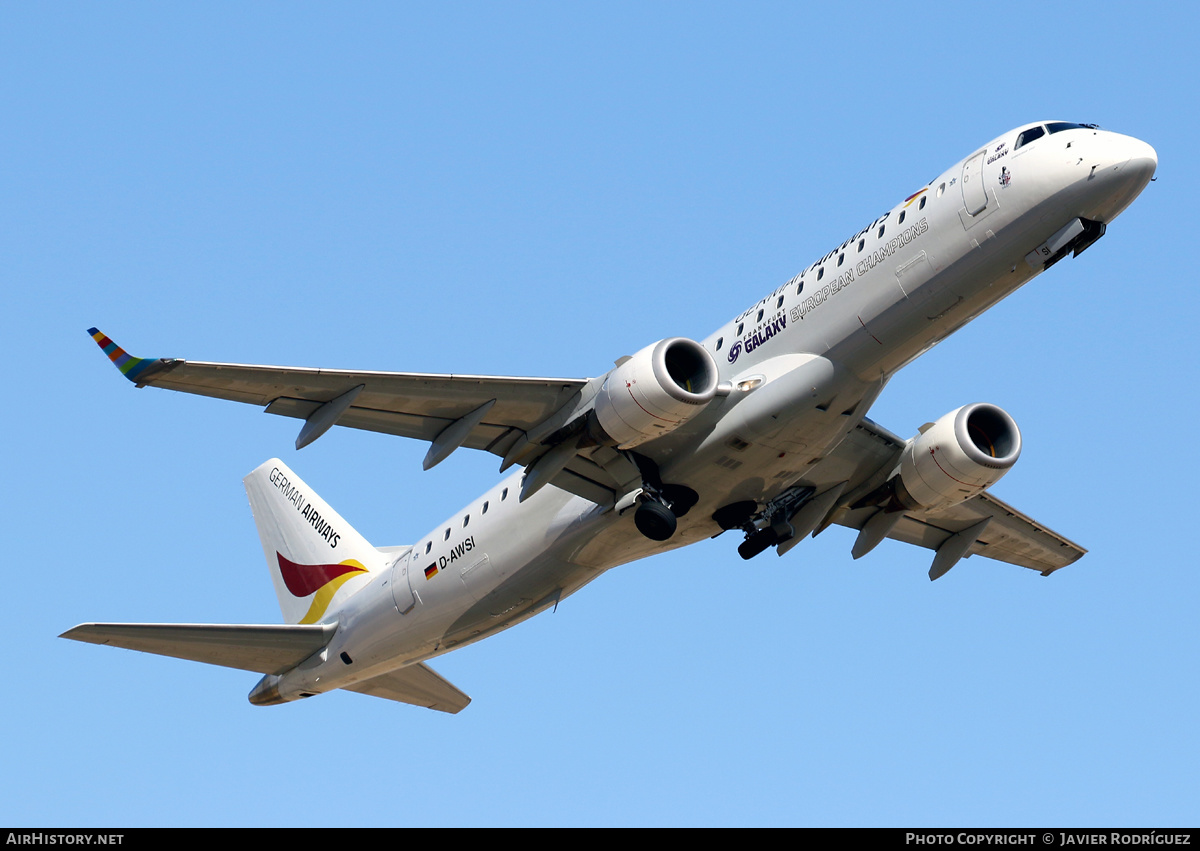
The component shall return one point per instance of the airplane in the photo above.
(759, 429)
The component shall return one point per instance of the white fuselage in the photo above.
(804, 363)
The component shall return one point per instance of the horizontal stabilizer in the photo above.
(418, 685)
(264, 648)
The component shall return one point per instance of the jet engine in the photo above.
(963, 453)
(656, 391)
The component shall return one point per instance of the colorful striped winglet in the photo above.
(130, 366)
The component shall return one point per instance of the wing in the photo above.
(507, 416)
(982, 525)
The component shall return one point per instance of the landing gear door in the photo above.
(973, 190)
(402, 594)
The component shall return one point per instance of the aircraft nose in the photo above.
(1141, 164)
(1121, 168)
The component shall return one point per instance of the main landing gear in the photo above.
(767, 527)
(660, 505)
(655, 520)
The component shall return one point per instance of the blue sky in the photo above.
(538, 189)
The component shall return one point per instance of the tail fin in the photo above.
(315, 557)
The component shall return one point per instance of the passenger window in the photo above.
(1028, 136)
(821, 273)
(880, 234)
(485, 507)
(504, 494)
(900, 221)
(779, 303)
(466, 520)
(922, 206)
(861, 243)
(841, 257)
(447, 533)
(741, 325)
(759, 319)
(720, 341)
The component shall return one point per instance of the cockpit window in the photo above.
(1028, 136)
(1059, 126)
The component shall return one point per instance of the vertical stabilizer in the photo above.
(317, 561)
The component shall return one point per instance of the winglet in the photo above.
(130, 366)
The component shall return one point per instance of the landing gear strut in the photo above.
(661, 505)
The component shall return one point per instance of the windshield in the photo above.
(1028, 136)
(1059, 126)
(1032, 133)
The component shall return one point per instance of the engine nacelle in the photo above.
(656, 391)
(960, 455)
